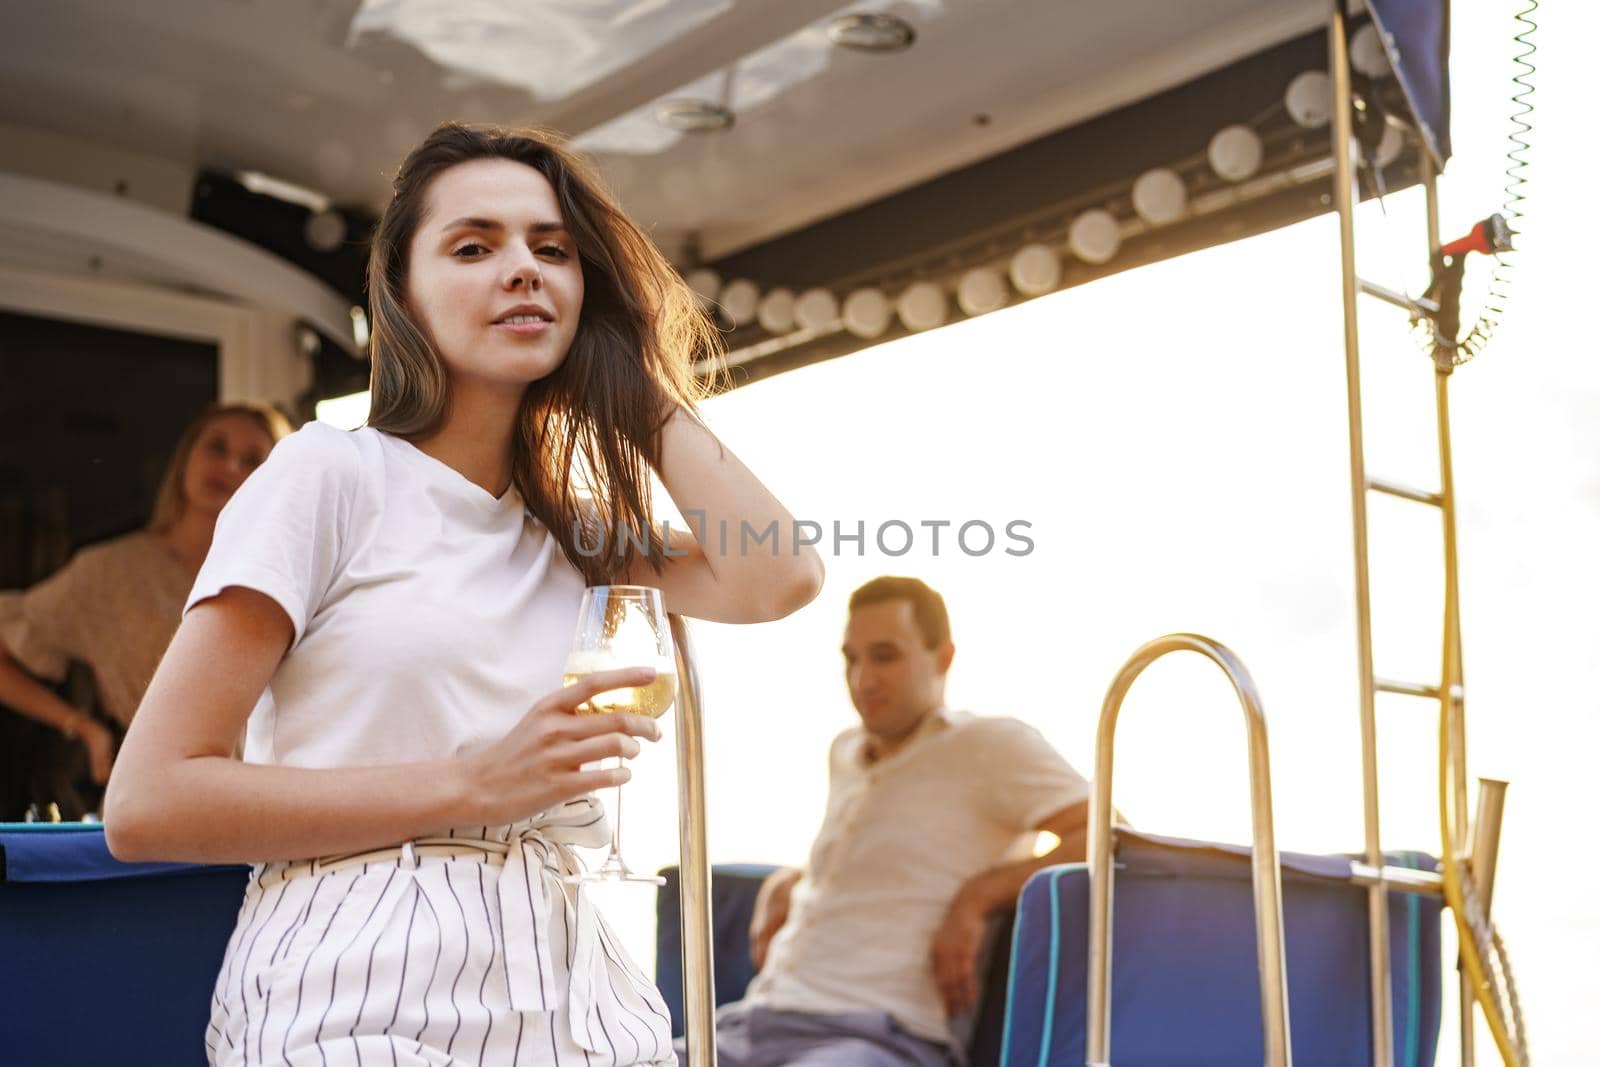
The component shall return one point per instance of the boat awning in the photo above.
(957, 235)
(809, 148)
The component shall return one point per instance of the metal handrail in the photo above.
(694, 867)
(1266, 880)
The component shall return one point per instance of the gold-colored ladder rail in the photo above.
(1449, 691)
(1377, 895)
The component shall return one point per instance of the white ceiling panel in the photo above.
(330, 93)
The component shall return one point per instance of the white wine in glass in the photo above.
(652, 701)
(621, 626)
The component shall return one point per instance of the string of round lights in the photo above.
(1226, 172)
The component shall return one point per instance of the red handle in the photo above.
(1488, 237)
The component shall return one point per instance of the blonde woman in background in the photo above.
(115, 605)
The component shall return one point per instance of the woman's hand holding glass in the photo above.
(622, 625)
(540, 763)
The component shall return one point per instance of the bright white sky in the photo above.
(1176, 438)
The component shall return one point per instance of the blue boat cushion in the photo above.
(1184, 985)
(105, 960)
(68, 852)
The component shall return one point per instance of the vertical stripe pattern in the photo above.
(421, 960)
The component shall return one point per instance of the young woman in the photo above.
(115, 605)
(389, 610)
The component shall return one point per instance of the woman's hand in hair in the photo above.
(539, 764)
(763, 571)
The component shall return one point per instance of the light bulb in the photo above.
(1159, 196)
(1309, 99)
(705, 282)
(867, 313)
(981, 291)
(776, 311)
(739, 299)
(1367, 54)
(1035, 270)
(1389, 145)
(816, 309)
(1094, 236)
(922, 307)
(1235, 153)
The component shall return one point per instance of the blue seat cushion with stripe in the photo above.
(1184, 975)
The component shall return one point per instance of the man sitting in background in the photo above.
(869, 953)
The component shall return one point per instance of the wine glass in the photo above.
(621, 626)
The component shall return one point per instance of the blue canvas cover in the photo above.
(1184, 978)
(1416, 34)
(106, 962)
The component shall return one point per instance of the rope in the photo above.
(1476, 935)
(1498, 976)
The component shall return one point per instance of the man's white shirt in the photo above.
(901, 835)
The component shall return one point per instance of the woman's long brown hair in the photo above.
(591, 428)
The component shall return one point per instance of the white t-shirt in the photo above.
(428, 615)
(900, 837)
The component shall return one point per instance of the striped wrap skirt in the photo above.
(460, 955)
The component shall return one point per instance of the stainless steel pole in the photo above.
(694, 868)
(1266, 879)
